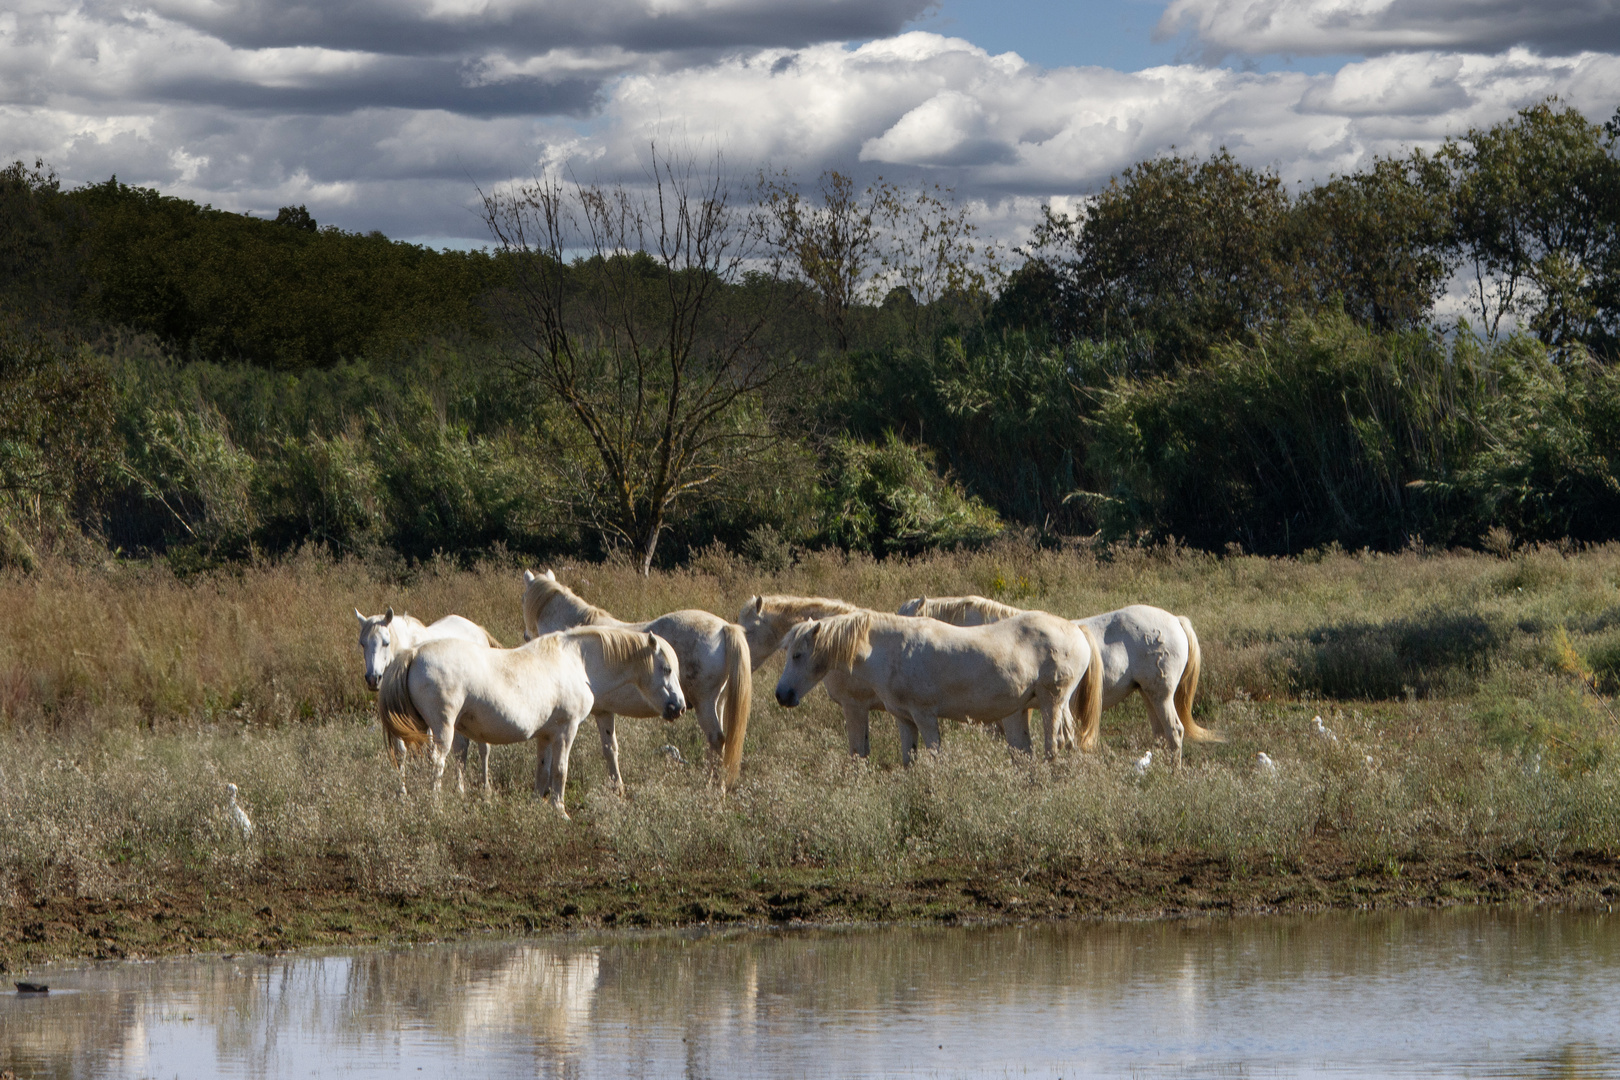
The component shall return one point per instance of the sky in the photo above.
(393, 114)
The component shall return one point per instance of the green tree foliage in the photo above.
(55, 414)
(1537, 206)
(1378, 242)
(280, 294)
(39, 277)
(1185, 252)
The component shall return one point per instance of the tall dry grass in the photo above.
(128, 698)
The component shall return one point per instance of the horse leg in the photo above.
(1016, 730)
(928, 730)
(708, 718)
(1161, 706)
(908, 739)
(858, 728)
(607, 731)
(561, 743)
(1056, 720)
(459, 749)
(483, 751)
(441, 746)
(398, 746)
(542, 763)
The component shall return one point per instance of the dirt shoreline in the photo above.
(270, 917)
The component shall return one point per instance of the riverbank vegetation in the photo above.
(1474, 758)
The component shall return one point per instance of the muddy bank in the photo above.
(268, 917)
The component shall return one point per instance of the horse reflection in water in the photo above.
(538, 990)
(540, 996)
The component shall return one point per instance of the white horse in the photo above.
(1144, 649)
(715, 668)
(381, 636)
(921, 670)
(766, 622)
(541, 689)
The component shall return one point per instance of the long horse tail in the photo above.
(1188, 687)
(739, 701)
(395, 709)
(1088, 696)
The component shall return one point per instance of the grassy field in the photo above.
(1476, 759)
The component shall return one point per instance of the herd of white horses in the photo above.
(451, 684)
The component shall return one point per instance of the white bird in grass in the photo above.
(238, 815)
(1321, 730)
(1263, 762)
(1143, 764)
(674, 754)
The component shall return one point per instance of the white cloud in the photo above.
(1341, 27)
(399, 141)
(995, 125)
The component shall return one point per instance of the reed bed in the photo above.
(1465, 691)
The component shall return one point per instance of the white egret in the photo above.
(1143, 764)
(674, 754)
(1263, 762)
(238, 815)
(1321, 730)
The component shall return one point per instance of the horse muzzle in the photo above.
(373, 681)
(673, 709)
(787, 698)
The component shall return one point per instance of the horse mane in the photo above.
(953, 609)
(841, 640)
(806, 607)
(540, 592)
(620, 646)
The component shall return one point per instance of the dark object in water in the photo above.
(32, 988)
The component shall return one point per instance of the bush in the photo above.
(886, 498)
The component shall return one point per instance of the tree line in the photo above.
(1420, 351)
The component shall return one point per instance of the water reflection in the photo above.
(1461, 993)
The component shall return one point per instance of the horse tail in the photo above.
(395, 708)
(739, 701)
(1088, 696)
(1188, 686)
(494, 642)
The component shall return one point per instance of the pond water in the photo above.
(1456, 993)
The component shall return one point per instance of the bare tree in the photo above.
(651, 336)
(852, 246)
(833, 242)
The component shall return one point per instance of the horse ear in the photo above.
(550, 576)
(388, 616)
(359, 616)
(759, 604)
(528, 576)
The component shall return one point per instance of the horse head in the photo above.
(376, 645)
(799, 673)
(662, 685)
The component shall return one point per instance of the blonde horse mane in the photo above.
(620, 646)
(842, 640)
(957, 609)
(540, 591)
(780, 610)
